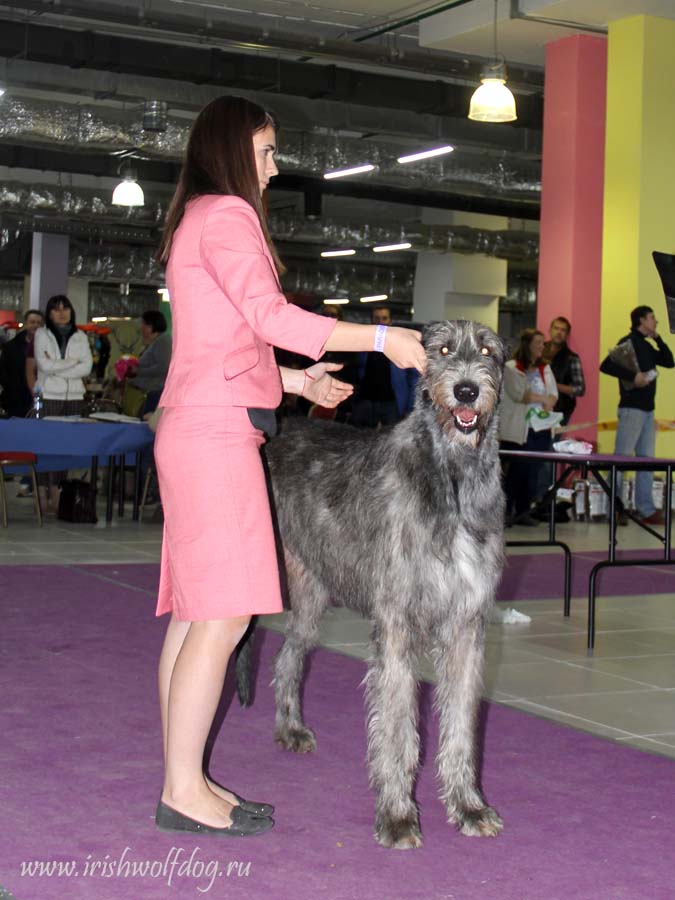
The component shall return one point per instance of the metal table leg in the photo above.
(110, 489)
(137, 487)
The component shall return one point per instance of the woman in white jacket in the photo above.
(63, 359)
(529, 393)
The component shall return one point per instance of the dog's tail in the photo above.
(244, 666)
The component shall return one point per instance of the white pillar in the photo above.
(78, 294)
(458, 285)
(49, 268)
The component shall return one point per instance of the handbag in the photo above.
(77, 502)
(133, 400)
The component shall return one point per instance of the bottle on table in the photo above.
(38, 403)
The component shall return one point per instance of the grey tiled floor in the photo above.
(624, 691)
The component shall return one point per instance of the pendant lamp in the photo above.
(493, 101)
(128, 192)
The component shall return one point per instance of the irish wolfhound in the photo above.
(404, 525)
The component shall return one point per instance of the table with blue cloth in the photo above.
(78, 443)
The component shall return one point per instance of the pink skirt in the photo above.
(218, 553)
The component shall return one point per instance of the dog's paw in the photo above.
(484, 822)
(398, 834)
(299, 740)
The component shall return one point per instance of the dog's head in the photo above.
(465, 364)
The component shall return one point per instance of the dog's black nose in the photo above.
(466, 392)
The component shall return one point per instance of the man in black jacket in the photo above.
(566, 367)
(17, 367)
(635, 428)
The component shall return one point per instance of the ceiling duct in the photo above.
(39, 201)
(86, 128)
(504, 244)
(115, 264)
(11, 294)
(77, 203)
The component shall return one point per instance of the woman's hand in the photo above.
(404, 348)
(321, 388)
(549, 402)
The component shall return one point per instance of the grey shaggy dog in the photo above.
(404, 525)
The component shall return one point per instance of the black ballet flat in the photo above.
(250, 806)
(244, 824)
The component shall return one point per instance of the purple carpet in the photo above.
(541, 576)
(81, 773)
(526, 577)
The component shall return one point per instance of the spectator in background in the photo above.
(569, 375)
(635, 428)
(153, 365)
(529, 393)
(386, 393)
(63, 359)
(566, 366)
(17, 366)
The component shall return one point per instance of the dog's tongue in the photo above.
(464, 414)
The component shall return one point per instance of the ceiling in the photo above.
(350, 81)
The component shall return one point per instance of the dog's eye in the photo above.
(445, 351)
(485, 351)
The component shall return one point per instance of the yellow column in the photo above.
(639, 200)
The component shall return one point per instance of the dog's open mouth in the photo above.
(466, 419)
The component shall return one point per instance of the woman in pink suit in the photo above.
(219, 562)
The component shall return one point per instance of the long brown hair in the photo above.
(219, 159)
(522, 351)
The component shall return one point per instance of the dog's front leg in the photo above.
(393, 741)
(308, 601)
(458, 658)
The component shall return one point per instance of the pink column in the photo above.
(570, 261)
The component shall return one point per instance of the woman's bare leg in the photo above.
(194, 683)
(173, 641)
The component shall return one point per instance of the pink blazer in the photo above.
(228, 311)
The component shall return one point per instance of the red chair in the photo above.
(18, 458)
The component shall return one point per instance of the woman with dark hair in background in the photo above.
(219, 563)
(529, 395)
(63, 358)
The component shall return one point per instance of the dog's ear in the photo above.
(503, 350)
(427, 330)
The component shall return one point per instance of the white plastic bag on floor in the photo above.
(508, 616)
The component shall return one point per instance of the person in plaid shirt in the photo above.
(566, 366)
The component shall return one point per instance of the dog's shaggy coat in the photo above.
(404, 525)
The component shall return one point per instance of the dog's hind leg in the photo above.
(308, 601)
(393, 740)
(458, 659)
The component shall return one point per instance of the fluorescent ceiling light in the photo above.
(386, 248)
(99, 319)
(326, 253)
(374, 297)
(335, 301)
(343, 173)
(426, 154)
